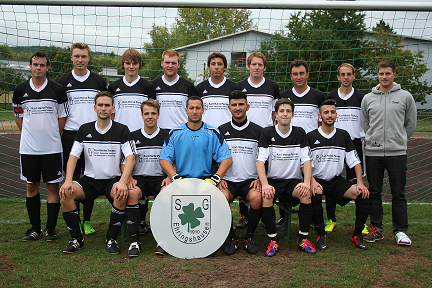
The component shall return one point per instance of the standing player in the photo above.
(172, 91)
(286, 150)
(81, 87)
(40, 107)
(215, 91)
(389, 118)
(130, 91)
(103, 143)
(331, 147)
(241, 179)
(348, 108)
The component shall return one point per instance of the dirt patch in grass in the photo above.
(5, 264)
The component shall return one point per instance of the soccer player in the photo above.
(389, 118)
(348, 109)
(172, 91)
(40, 108)
(130, 91)
(286, 150)
(103, 143)
(215, 91)
(241, 179)
(81, 87)
(330, 147)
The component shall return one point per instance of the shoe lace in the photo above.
(271, 245)
(305, 242)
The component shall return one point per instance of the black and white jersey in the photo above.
(285, 153)
(330, 152)
(40, 110)
(261, 99)
(103, 150)
(127, 100)
(172, 98)
(148, 149)
(306, 107)
(81, 91)
(349, 111)
(243, 144)
(216, 100)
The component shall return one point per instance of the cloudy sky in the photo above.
(115, 29)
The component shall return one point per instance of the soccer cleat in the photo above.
(321, 243)
(365, 230)
(402, 239)
(32, 234)
(280, 225)
(88, 228)
(305, 246)
(134, 249)
(359, 243)
(242, 222)
(330, 226)
(73, 245)
(112, 246)
(250, 246)
(373, 235)
(272, 248)
(160, 251)
(232, 247)
(50, 235)
(143, 228)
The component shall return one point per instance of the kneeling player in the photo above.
(330, 148)
(103, 143)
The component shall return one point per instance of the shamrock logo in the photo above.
(190, 216)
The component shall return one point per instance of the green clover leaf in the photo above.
(190, 216)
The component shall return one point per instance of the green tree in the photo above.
(9, 78)
(6, 52)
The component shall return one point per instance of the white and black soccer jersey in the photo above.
(127, 100)
(349, 112)
(216, 100)
(261, 99)
(285, 153)
(172, 98)
(103, 150)
(243, 144)
(306, 107)
(148, 149)
(330, 152)
(40, 110)
(81, 91)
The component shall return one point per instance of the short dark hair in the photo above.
(237, 94)
(131, 55)
(39, 54)
(385, 64)
(283, 101)
(194, 98)
(327, 102)
(217, 55)
(150, 102)
(298, 63)
(256, 54)
(104, 94)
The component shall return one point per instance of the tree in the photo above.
(325, 39)
(9, 78)
(6, 52)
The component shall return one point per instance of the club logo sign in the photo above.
(191, 217)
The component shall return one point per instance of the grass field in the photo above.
(41, 264)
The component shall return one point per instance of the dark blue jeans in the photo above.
(396, 167)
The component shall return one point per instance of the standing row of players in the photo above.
(41, 101)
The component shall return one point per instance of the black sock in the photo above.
(362, 212)
(305, 217)
(116, 220)
(282, 211)
(143, 208)
(331, 209)
(33, 205)
(243, 208)
(52, 211)
(72, 221)
(269, 218)
(88, 208)
(317, 217)
(253, 220)
(132, 216)
(77, 204)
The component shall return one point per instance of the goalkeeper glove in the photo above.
(176, 177)
(214, 179)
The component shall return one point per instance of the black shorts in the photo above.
(336, 188)
(94, 188)
(149, 185)
(284, 190)
(240, 188)
(359, 146)
(50, 165)
(67, 139)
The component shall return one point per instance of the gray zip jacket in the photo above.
(389, 119)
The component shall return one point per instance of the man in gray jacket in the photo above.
(389, 118)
